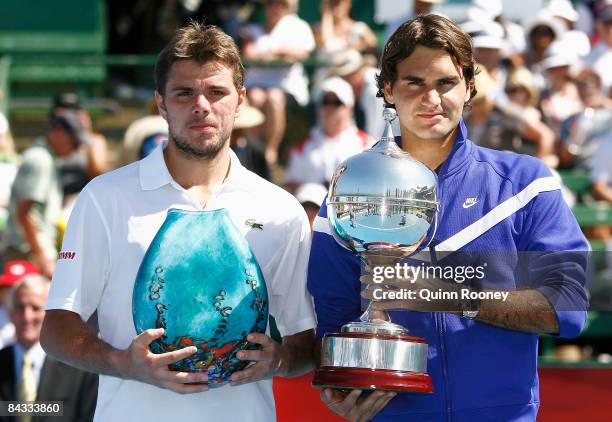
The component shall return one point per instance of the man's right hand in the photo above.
(140, 364)
(352, 406)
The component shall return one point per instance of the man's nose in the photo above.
(431, 98)
(201, 105)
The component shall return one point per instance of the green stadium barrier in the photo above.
(50, 45)
(588, 214)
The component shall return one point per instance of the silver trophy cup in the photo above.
(381, 205)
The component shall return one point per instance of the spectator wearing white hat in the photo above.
(332, 141)
(540, 33)
(139, 131)
(311, 196)
(420, 7)
(351, 66)
(560, 99)
(572, 38)
(492, 10)
(489, 48)
(600, 58)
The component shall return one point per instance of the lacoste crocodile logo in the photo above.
(253, 224)
(470, 202)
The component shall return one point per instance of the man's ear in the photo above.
(387, 92)
(161, 107)
(241, 100)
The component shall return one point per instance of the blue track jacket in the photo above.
(479, 372)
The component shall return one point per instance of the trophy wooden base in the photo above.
(372, 379)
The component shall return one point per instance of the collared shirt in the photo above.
(37, 355)
(113, 223)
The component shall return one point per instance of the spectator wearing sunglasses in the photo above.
(332, 141)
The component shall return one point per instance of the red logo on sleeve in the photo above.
(66, 255)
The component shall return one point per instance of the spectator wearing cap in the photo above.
(560, 99)
(13, 272)
(311, 196)
(600, 58)
(283, 37)
(351, 66)
(332, 141)
(245, 144)
(91, 158)
(36, 197)
(503, 125)
(420, 7)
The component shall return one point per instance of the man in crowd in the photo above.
(335, 139)
(27, 373)
(482, 354)
(199, 91)
(36, 197)
(13, 272)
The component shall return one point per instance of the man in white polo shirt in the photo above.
(332, 141)
(199, 91)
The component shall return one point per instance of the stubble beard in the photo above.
(208, 151)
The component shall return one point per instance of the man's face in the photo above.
(429, 94)
(334, 115)
(27, 314)
(60, 141)
(200, 105)
(488, 57)
(604, 29)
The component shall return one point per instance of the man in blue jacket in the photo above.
(498, 209)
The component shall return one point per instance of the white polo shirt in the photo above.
(113, 222)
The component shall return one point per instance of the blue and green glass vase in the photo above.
(200, 281)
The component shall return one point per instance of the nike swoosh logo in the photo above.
(465, 205)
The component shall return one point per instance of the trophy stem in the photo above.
(370, 261)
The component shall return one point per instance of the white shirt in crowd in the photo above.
(289, 33)
(316, 158)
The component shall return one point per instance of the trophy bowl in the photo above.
(381, 205)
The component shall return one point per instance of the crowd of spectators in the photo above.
(544, 89)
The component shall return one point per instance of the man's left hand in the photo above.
(267, 360)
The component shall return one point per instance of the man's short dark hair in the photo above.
(201, 43)
(431, 31)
